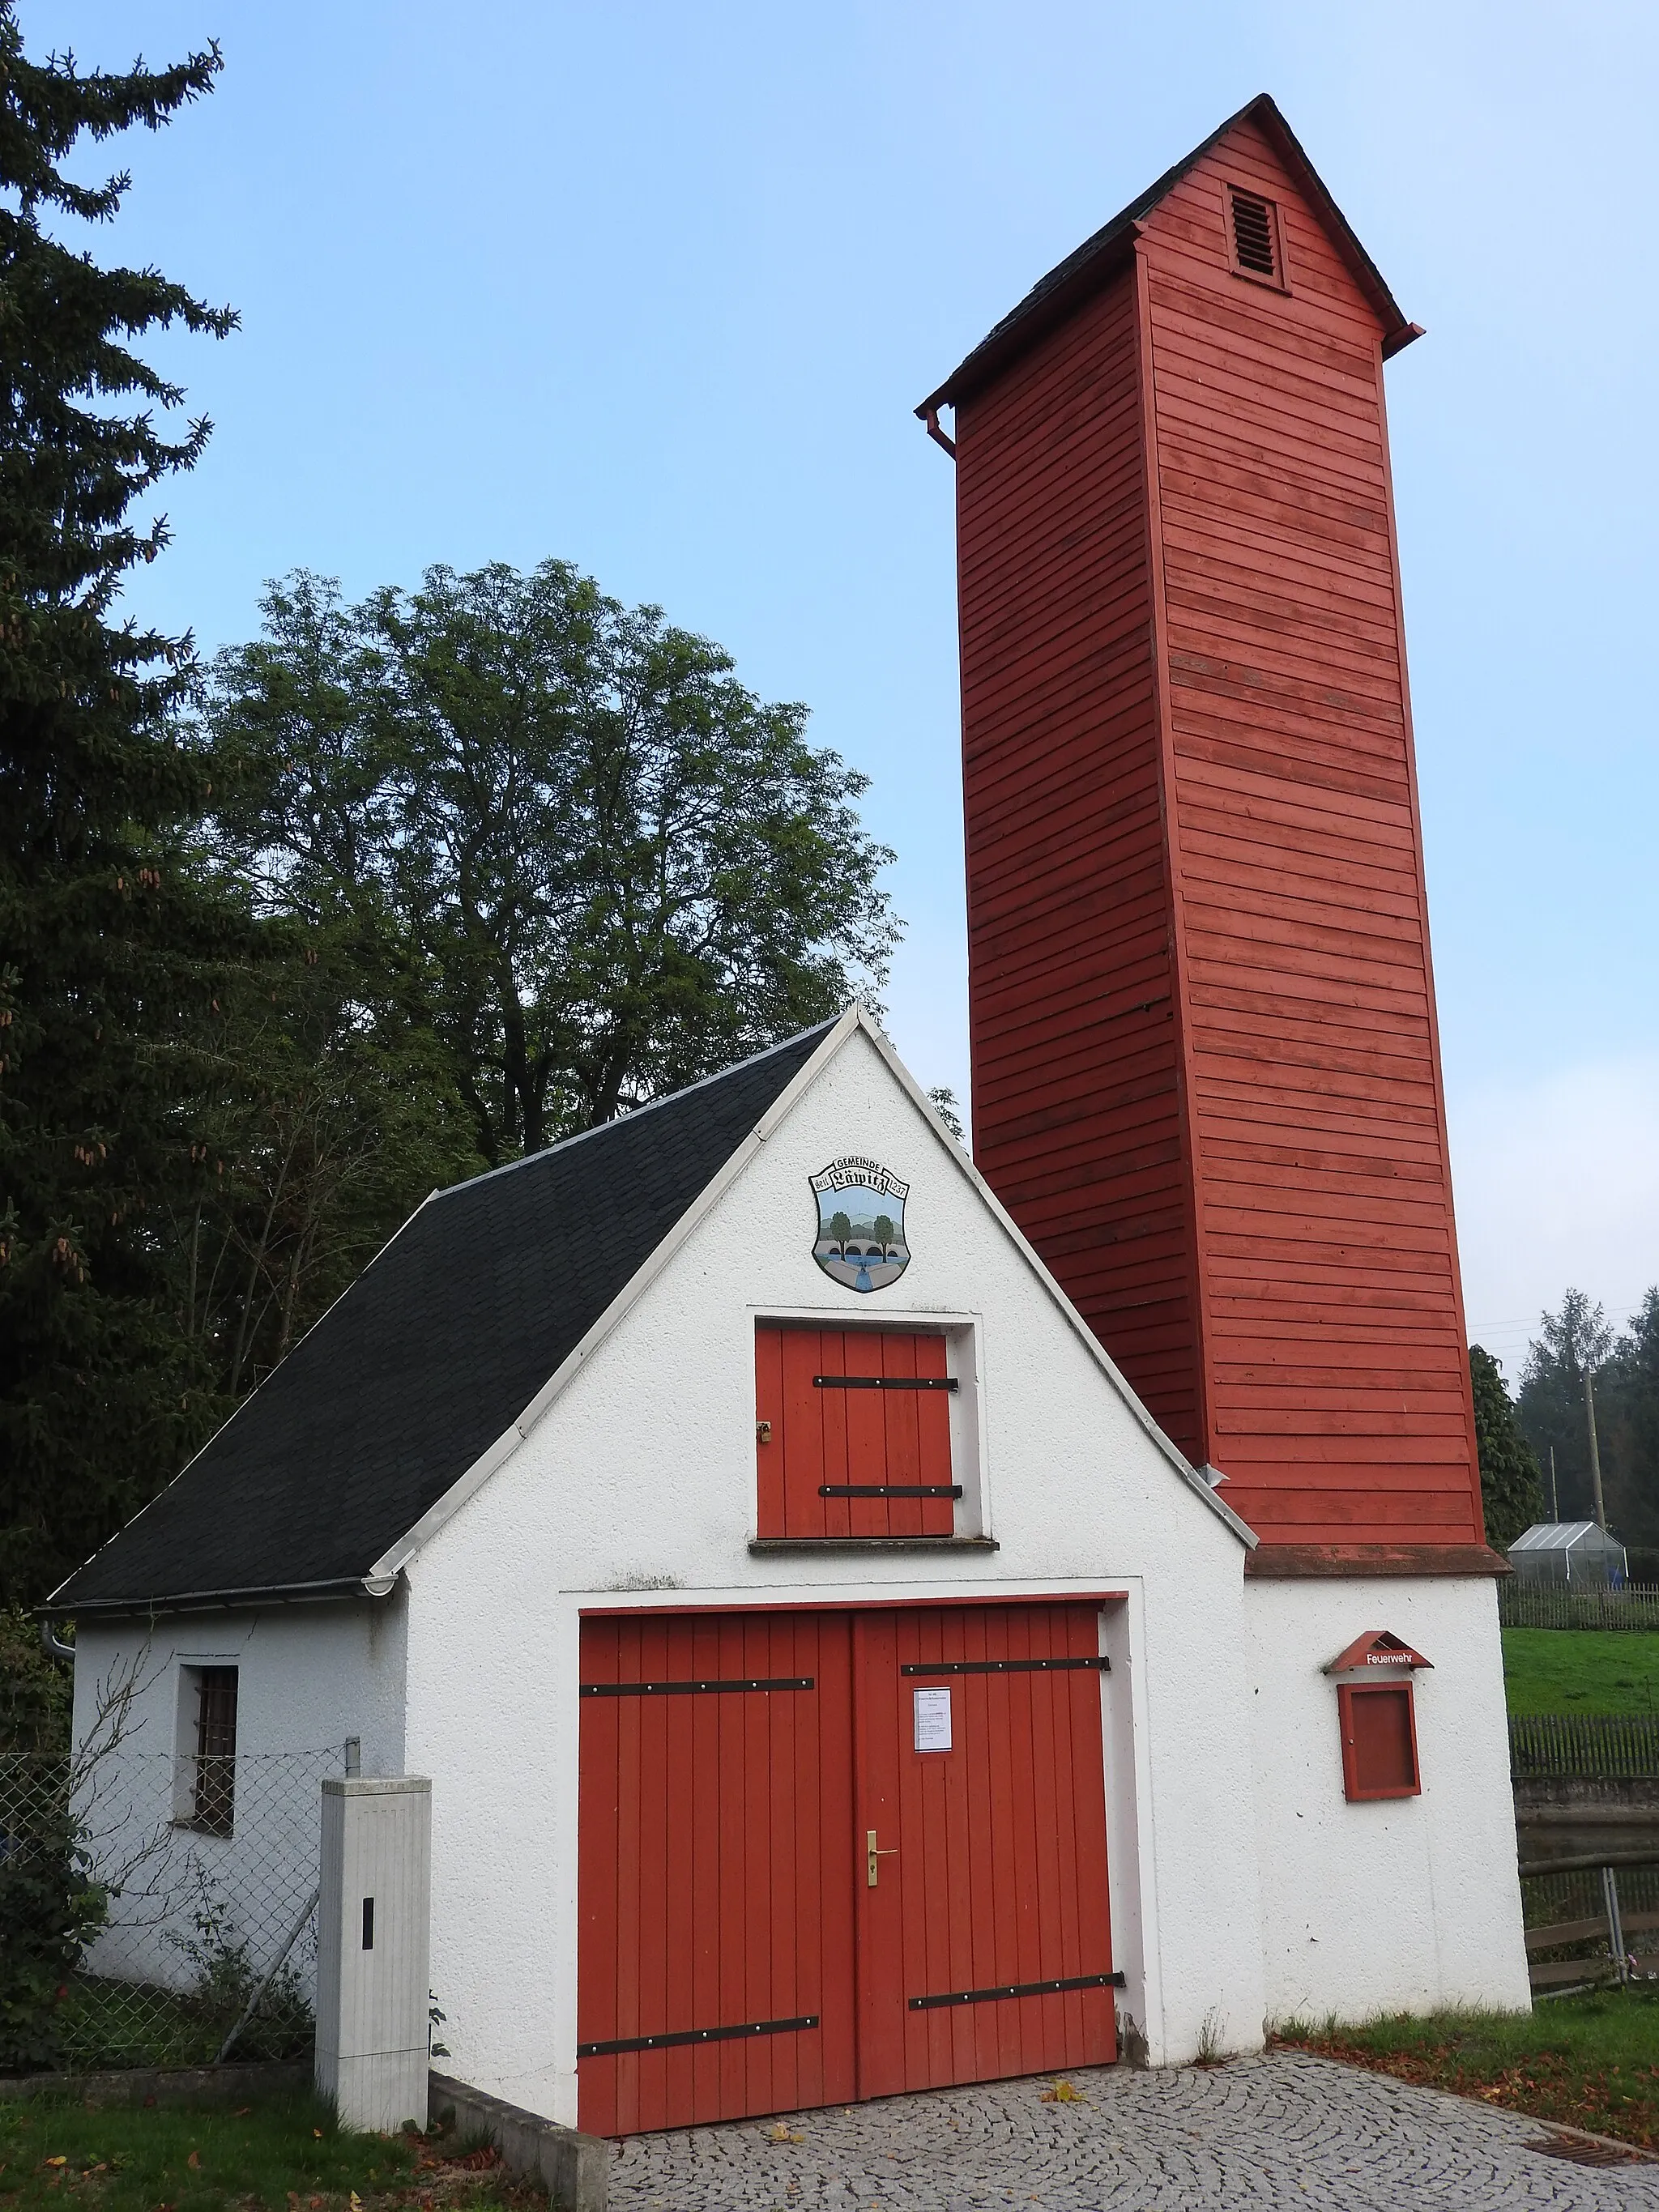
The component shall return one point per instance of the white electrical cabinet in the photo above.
(373, 1949)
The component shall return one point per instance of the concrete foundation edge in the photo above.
(169, 2084)
(575, 2169)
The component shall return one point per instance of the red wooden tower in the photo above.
(1206, 1069)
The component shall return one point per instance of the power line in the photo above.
(1532, 1321)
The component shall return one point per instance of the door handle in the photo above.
(871, 1854)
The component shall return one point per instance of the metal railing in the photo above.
(1590, 1921)
(1547, 1605)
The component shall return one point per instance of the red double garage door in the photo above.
(833, 1855)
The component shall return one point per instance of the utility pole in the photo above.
(1596, 1454)
(1555, 1496)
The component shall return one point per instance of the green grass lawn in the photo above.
(284, 2156)
(1581, 1670)
(1589, 2061)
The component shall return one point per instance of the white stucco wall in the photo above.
(1404, 1903)
(308, 1677)
(640, 1479)
(1243, 1885)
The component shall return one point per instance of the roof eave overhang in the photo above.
(1273, 1562)
(63, 1604)
(1104, 257)
(1397, 332)
(66, 1606)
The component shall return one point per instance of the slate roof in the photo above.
(431, 1355)
(1054, 296)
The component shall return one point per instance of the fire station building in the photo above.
(875, 1619)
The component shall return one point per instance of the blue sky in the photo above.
(654, 288)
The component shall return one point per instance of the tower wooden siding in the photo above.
(1205, 1060)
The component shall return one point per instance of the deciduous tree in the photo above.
(596, 867)
(325, 1118)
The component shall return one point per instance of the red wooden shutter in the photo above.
(853, 1438)
(1379, 1740)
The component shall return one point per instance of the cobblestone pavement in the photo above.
(1287, 2130)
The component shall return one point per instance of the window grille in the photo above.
(214, 1808)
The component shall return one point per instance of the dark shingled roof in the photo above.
(1065, 287)
(431, 1355)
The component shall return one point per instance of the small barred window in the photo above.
(214, 1807)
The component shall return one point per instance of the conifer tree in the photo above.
(1511, 1492)
(112, 937)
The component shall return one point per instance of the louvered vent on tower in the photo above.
(1255, 246)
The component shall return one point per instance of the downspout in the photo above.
(929, 417)
(54, 1643)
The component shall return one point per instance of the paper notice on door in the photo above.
(932, 1719)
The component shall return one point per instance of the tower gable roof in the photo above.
(1099, 259)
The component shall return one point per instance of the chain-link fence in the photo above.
(155, 1915)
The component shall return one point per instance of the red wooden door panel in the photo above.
(991, 1875)
(714, 1876)
(734, 1957)
(859, 1433)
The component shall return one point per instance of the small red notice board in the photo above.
(1378, 1716)
(1379, 1741)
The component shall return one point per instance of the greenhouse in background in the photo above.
(1579, 1553)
